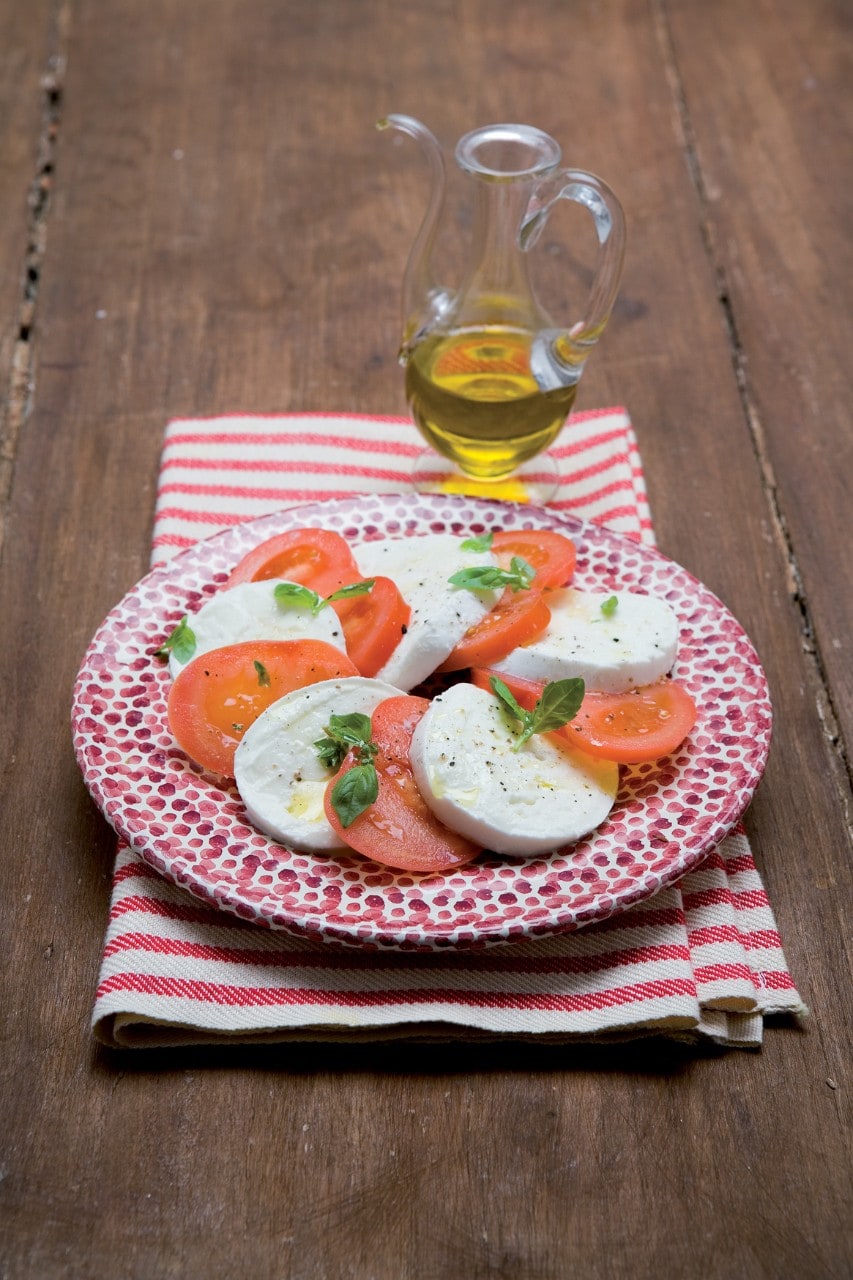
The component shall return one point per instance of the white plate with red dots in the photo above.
(192, 827)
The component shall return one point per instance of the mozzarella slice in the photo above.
(441, 614)
(634, 645)
(518, 802)
(278, 773)
(250, 611)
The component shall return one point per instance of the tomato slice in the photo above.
(645, 724)
(518, 618)
(399, 830)
(316, 558)
(219, 694)
(552, 554)
(629, 728)
(373, 624)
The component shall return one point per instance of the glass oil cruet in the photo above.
(490, 377)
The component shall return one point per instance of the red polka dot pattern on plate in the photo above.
(193, 829)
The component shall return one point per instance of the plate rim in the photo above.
(231, 902)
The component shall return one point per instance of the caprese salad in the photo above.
(302, 679)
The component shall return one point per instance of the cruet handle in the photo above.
(559, 356)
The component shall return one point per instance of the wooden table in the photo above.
(197, 216)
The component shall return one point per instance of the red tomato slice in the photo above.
(399, 830)
(373, 624)
(552, 554)
(645, 724)
(629, 728)
(518, 618)
(316, 558)
(219, 694)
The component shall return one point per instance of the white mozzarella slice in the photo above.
(250, 611)
(441, 614)
(278, 773)
(634, 645)
(518, 802)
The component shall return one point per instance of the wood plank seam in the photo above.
(18, 398)
(826, 710)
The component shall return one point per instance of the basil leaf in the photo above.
(352, 730)
(293, 595)
(355, 792)
(523, 570)
(559, 703)
(263, 674)
(354, 589)
(507, 698)
(482, 542)
(483, 577)
(346, 733)
(330, 753)
(181, 642)
(608, 607)
(488, 577)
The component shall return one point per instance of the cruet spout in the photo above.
(424, 302)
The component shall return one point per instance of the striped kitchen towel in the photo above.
(701, 959)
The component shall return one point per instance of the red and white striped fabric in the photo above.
(701, 959)
(219, 472)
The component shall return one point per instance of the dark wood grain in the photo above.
(29, 82)
(228, 231)
(777, 209)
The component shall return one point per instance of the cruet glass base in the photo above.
(534, 482)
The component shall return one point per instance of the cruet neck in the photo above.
(508, 153)
(505, 160)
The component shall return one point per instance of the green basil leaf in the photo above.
(346, 733)
(181, 642)
(608, 607)
(353, 730)
(263, 674)
(354, 589)
(489, 577)
(330, 753)
(523, 570)
(292, 595)
(482, 542)
(483, 577)
(355, 792)
(560, 702)
(508, 699)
